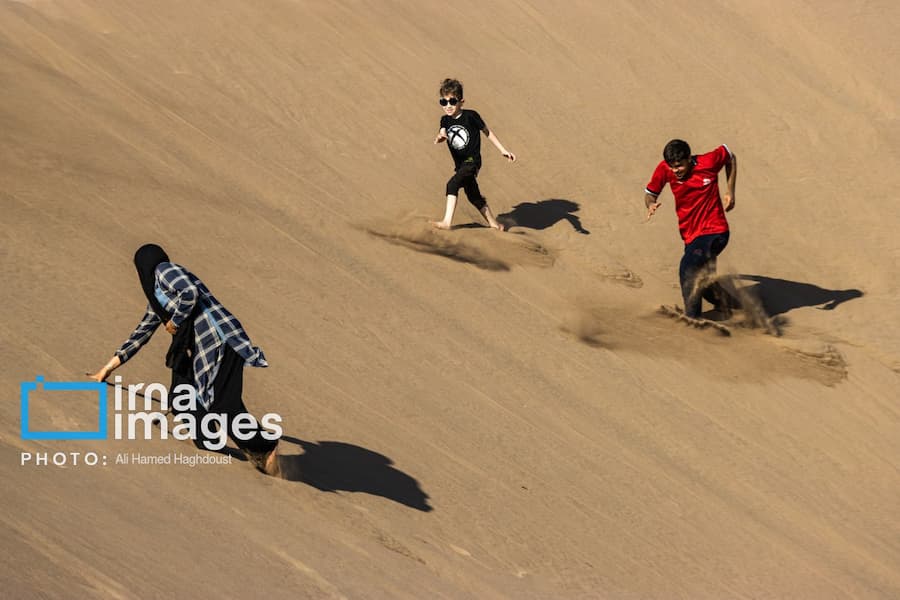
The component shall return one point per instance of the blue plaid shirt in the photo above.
(213, 327)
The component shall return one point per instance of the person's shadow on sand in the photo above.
(337, 466)
(779, 296)
(543, 214)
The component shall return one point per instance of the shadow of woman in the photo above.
(543, 214)
(336, 466)
(779, 296)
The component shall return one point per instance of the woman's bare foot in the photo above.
(271, 466)
(265, 462)
(440, 224)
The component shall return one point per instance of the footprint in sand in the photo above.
(824, 359)
(621, 275)
(460, 551)
(395, 545)
(481, 247)
(747, 354)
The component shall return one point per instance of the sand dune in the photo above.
(467, 414)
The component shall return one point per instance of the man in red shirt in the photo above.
(701, 215)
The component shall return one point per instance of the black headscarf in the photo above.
(146, 259)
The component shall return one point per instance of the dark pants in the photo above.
(228, 388)
(465, 178)
(699, 262)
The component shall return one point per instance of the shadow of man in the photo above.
(337, 466)
(543, 214)
(779, 296)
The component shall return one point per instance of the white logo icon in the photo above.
(706, 181)
(458, 137)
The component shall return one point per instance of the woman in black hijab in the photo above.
(146, 259)
(208, 351)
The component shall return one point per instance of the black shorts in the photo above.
(465, 178)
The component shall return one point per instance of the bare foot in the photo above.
(265, 462)
(491, 219)
(440, 224)
(271, 466)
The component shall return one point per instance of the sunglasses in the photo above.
(450, 101)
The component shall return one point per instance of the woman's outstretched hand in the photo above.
(106, 370)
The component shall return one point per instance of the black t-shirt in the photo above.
(464, 136)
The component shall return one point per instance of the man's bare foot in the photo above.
(440, 224)
(498, 226)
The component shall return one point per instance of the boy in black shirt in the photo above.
(460, 129)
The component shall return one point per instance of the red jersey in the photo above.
(697, 201)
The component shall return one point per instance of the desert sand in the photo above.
(467, 414)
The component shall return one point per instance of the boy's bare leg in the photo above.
(486, 211)
(448, 214)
